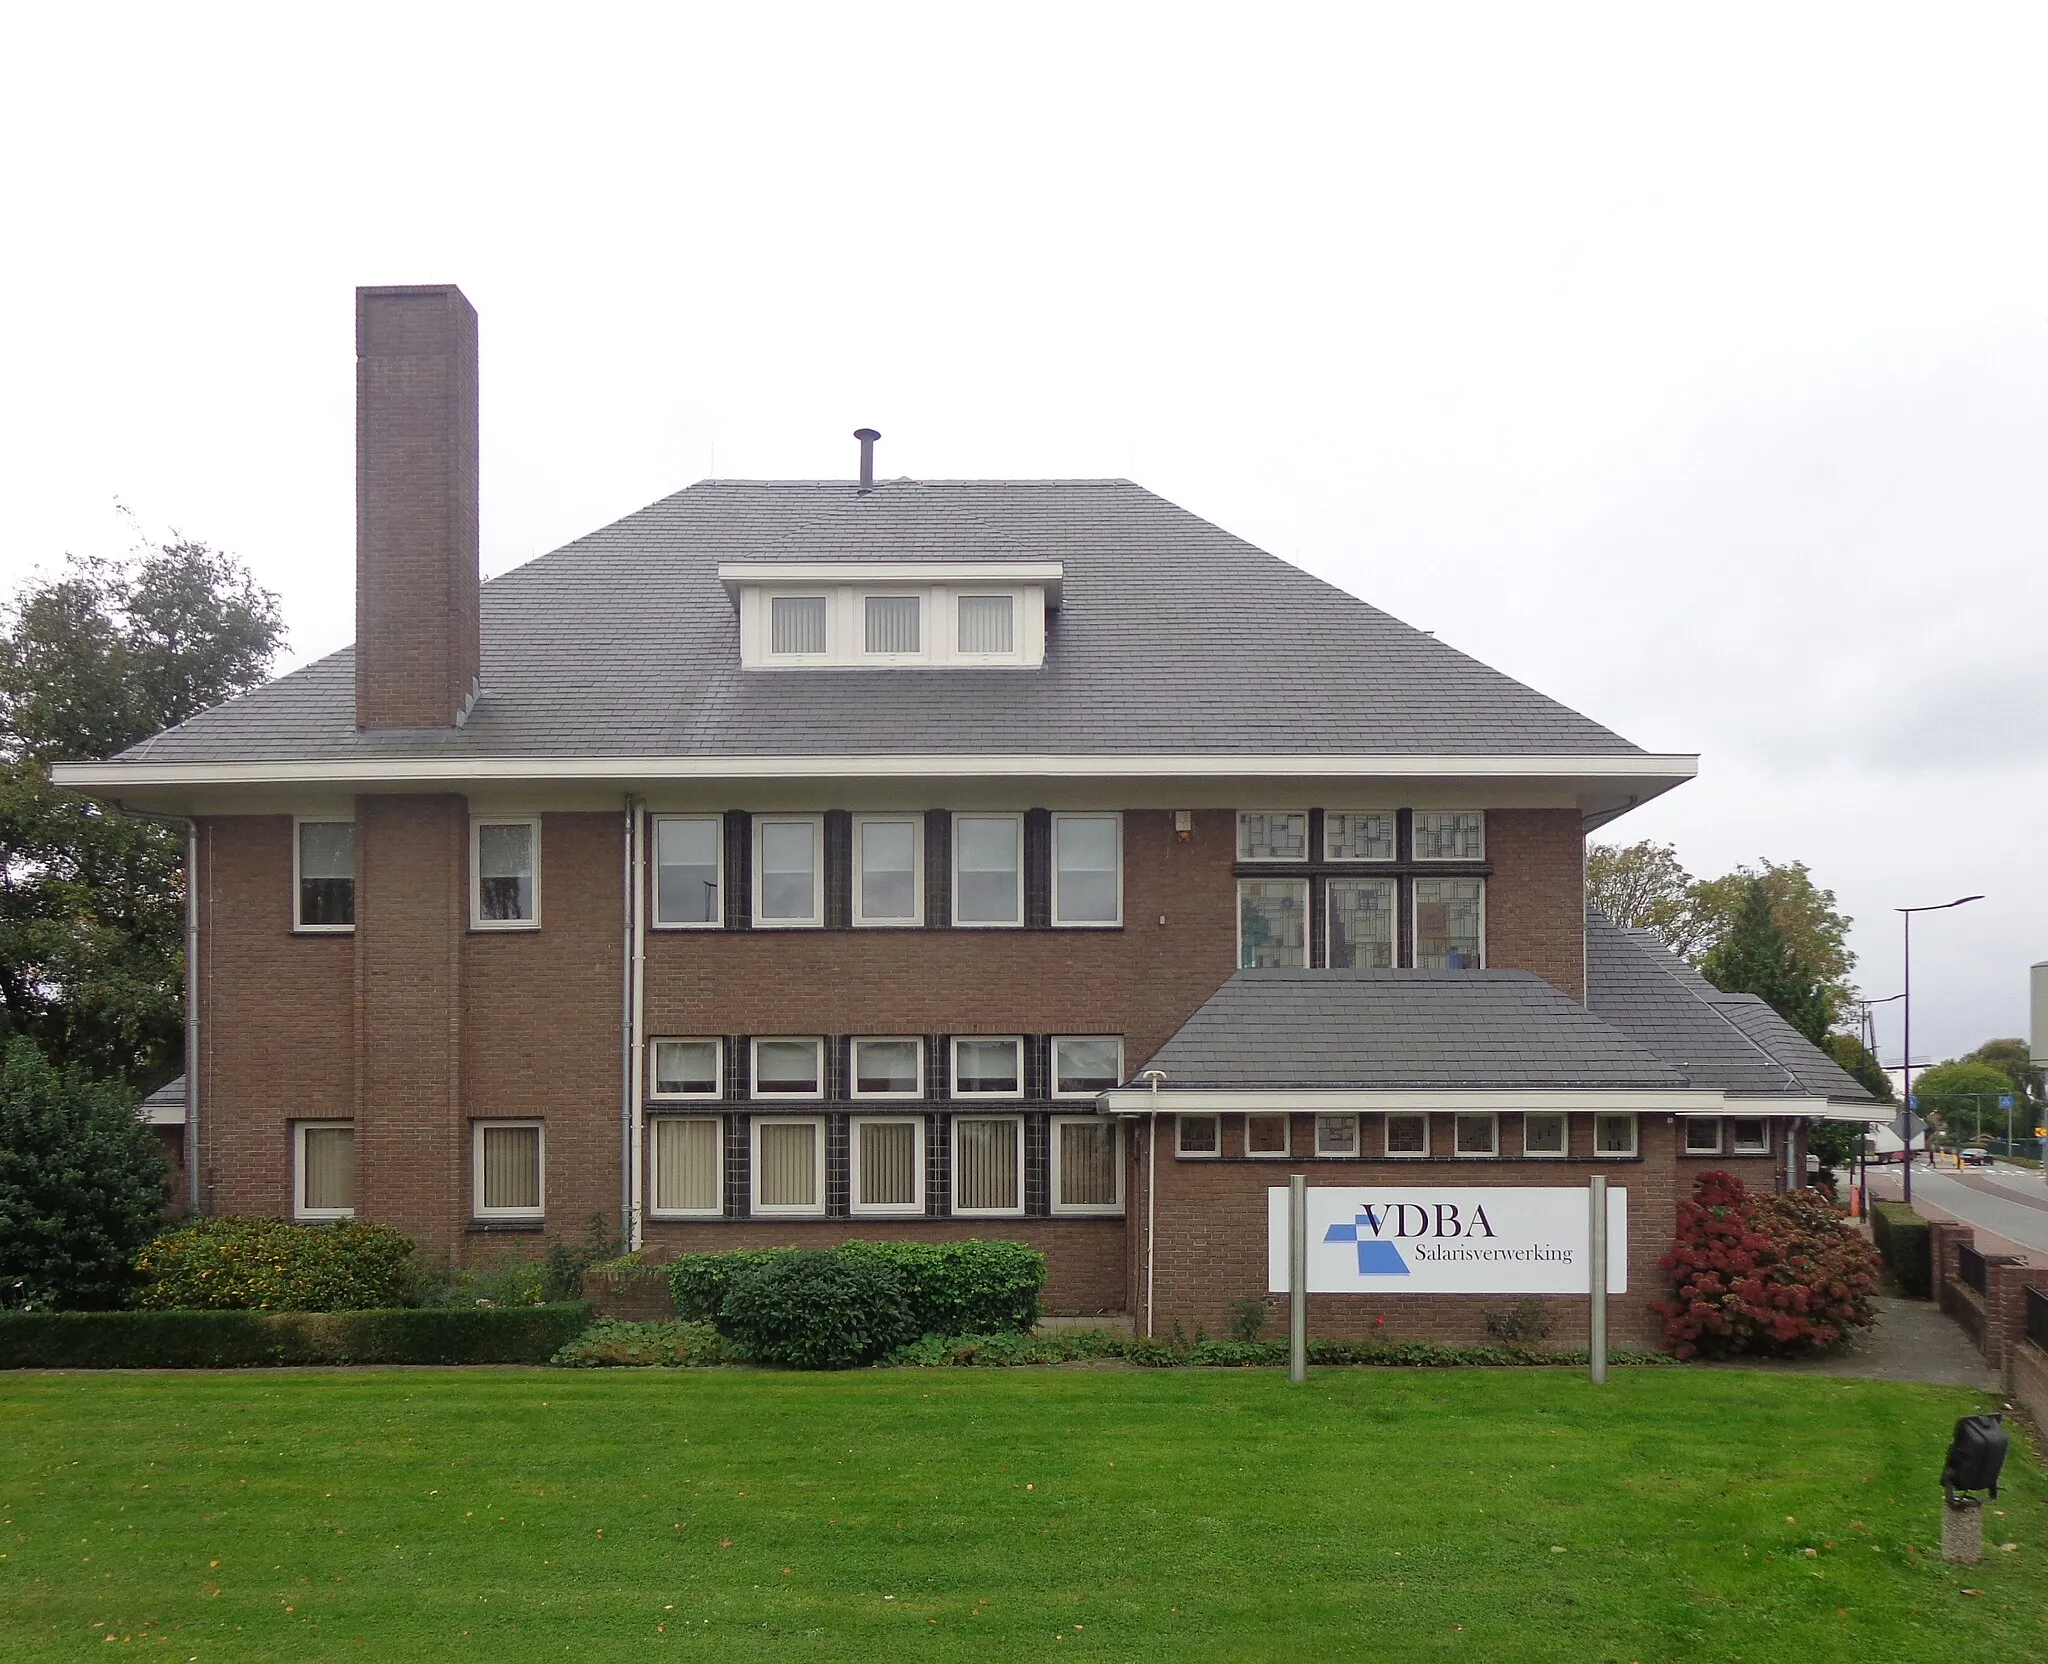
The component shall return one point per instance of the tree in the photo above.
(1855, 1057)
(1642, 886)
(1963, 1095)
(91, 901)
(2012, 1059)
(1756, 956)
(1804, 915)
(82, 1184)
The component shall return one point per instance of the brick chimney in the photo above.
(416, 507)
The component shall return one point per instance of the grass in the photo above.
(1061, 1514)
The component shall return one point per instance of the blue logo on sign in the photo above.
(1375, 1258)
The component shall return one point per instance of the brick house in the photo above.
(796, 860)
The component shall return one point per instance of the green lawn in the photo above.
(1060, 1514)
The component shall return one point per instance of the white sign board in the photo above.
(1426, 1240)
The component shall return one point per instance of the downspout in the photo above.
(1154, 1077)
(190, 827)
(636, 1025)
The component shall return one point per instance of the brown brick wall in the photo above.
(1536, 899)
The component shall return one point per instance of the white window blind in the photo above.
(786, 1165)
(1086, 877)
(686, 869)
(327, 1176)
(986, 1176)
(987, 624)
(892, 623)
(1088, 1175)
(988, 869)
(686, 1068)
(688, 1156)
(796, 624)
(886, 1166)
(508, 1169)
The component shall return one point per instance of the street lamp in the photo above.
(1906, 1061)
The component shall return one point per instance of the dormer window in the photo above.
(869, 615)
(892, 623)
(797, 625)
(987, 624)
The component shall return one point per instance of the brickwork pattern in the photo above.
(1536, 899)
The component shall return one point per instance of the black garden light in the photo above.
(1975, 1455)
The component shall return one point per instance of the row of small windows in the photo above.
(1362, 835)
(1359, 924)
(883, 1066)
(892, 626)
(1544, 1135)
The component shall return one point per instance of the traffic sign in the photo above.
(2005, 1102)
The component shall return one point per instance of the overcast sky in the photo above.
(1689, 364)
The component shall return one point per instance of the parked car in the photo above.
(1975, 1155)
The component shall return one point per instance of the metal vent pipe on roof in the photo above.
(867, 438)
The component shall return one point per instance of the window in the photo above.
(1272, 923)
(1407, 1135)
(325, 1169)
(1266, 1135)
(788, 1165)
(988, 1164)
(687, 870)
(509, 1169)
(1351, 835)
(796, 624)
(1087, 869)
(893, 623)
(1702, 1135)
(324, 886)
(988, 1068)
(1087, 1170)
(988, 869)
(789, 885)
(1085, 1065)
(1450, 835)
(687, 1069)
(689, 1162)
(505, 893)
(1336, 1135)
(1266, 835)
(1752, 1137)
(888, 1068)
(1361, 923)
(1543, 1135)
(888, 869)
(1450, 923)
(1614, 1135)
(988, 624)
(888, 1165)
(1476, 1135)
(789, 1068)
(1197, 1135)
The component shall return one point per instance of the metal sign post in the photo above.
(1596, 1277)
(1297, 1279)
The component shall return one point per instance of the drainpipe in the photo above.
(632, 1168)
(190, 828)
(1153, 1077)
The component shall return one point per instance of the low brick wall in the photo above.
(641, 1295)
(1996, 1319)
(2026, 1376)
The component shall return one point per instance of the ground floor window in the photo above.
(1543, 1135)
(1198, 1135)
(1087, 1165)
(1477, 1135)
(789, 1165)
(689, 1155)
(1614, 1135)
(988, 1164)
(1407, 1135)
(325, 1164)
(1267, 1135)
(1752, 1136)
(888, 1164)
(1702, 1136)
(1336, 1135)
(510, 1171)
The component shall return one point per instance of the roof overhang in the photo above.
(1047, 575)
(1304, 1100)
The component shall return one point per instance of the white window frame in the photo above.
(1307, 916)
(953, 1070)
(1370, 862)
(1415, 908)
(476, 1185)
(883, 1210)
(299, 1208)
(477, 921)
(1685, 1143)
(1388, 1150)
(1330, 914)
(768, 599)
(1099, 1210)
(1180, 1150)
(1492, 1151)
(1635, 1139)
(853, 1088)
(754, 1045)
(915, 821)
(962, 655)
(953, 1154)
(1053, 1058)
(1293, 860)
(815, 920)
(717, 1209)
(1115, 817)
(953, 860)
(1564, 1143)
(717, 1046)
(1286, 1150)
(1418, 856)
(654, 918)
(921, 654)
(783, 1210)
(299, 926)
(1736, 1145)
(1353, 1154)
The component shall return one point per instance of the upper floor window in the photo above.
(888, 1068)
(687, 870)
(1087, 869)
(1361, 923)
(504, 865)
(789, 884)
(796, 626)
(876, 614)
(1358, 835)
(988, 869)
(987, 624)
(1450, 923)
(686, 1068)
(888, 869)
(324, 891)
(1272, 923)
(985, 1068)
(789, 1068)
(1450, 835)
(1270, 835)
(1083, 1065)
(893, 623)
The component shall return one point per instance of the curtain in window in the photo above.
(885, 1066)
(330, 1177)
(1088, 1164)
(796, 624)
(505, 871)
(985, 624)
(888, 1163)
(985, 1172)
(789, 864)
(1084, 857)
(686, 1066)
(892, 623)
(686, 871)
(786, 1066)
(686, 1162)
(888, 870)
(987, 853)
(789, 1164)
(985, 1066)
(511, 1168)
(327, 872)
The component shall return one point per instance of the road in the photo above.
(2011, 1202)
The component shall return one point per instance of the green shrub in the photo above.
(237, 1339)
(82, 1185)
(816, 1308)
(1158, 1352)
(1525, 1323)
(510, 1282)
(235, 1263)
(1904, 1244)
(613, 1342)
(697, 1282)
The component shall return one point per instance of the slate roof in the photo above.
(1174, 636)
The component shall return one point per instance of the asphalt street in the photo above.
(2011, 1202)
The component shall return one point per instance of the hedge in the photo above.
(240, 1339)
(620, 1343)
(1906, 1246)
(237, 1262)
(1072, 1345)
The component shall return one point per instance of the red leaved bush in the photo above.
(1772, 1275)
